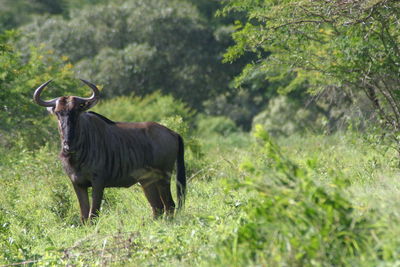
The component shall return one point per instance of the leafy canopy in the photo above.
(21, 120)
(137, 47)
(347, 45)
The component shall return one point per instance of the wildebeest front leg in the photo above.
(83, 198)
(97, 196)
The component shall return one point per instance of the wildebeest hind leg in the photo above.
(83, 198)
(97, 196)
(152, 195)
(164, 189)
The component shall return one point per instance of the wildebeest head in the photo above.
(67, 109)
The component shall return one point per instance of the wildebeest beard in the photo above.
(93, 146)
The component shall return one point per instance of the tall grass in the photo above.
(307, 200)
(298, 220)
(39, 217)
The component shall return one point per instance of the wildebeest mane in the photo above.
(102, 117)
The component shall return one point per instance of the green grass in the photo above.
(39, 217)
(370, 169)
(39, 214)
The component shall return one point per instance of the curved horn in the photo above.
(40, 102)
(96, 92)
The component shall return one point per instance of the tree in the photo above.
(23, 122)
(17, 13)
(137, 46)
(349, 45)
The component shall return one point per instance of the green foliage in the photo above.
(126, 70)
(348, 46)
(239, 105)
(154, 107)
(295, 220)
(215, 125)
(16, 13)
(284, 117)
(335, 201)
(22, 121)
(26, 217)
(141, 47)
(137, 47)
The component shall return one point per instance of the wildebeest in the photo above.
(97, 152)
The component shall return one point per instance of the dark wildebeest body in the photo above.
(98, 153)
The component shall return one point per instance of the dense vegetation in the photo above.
(289, 111)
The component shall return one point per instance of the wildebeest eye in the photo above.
(82, 105)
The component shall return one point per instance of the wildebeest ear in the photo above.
(50, 110)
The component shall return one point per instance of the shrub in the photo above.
(294, 221)
(284, 117)
(154, 107)
(215, 125)
(23, 122)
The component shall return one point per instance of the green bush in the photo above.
(295, 221)
(154, 107)
(22, 122)
(284, 117)
(215, 125)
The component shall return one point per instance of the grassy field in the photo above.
(208, 70)
(233, 215)
(40, 220)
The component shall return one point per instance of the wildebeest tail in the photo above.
(181, 173)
